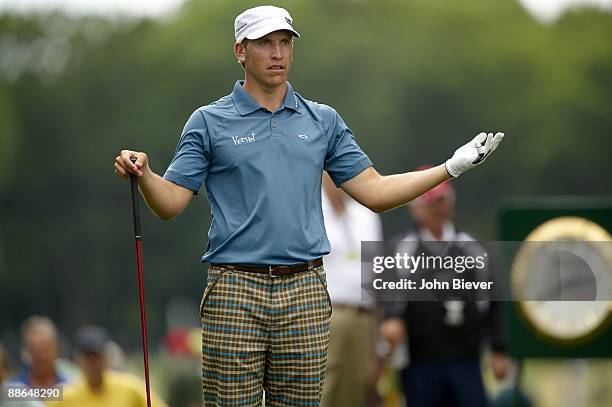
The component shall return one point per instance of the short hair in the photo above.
(37, 321)
(244, 43)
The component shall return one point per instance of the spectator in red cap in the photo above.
(443, 339)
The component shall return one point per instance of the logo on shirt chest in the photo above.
(246, 139)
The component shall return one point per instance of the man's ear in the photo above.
(240, 52)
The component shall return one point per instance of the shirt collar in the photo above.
(448, 233)
(246, 104)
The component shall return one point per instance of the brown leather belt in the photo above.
(278, 270)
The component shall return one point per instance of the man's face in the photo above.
(434, 214)
(92, 364)
(42, 347)
(267, 59)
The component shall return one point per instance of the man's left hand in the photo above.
(473, 153)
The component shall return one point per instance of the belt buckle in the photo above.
(270, 271)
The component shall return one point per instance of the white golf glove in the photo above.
(473, 153)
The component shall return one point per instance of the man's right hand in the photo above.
(124, 166)
(165, 198)
(393, 330)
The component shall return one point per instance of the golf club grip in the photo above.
(135, 207)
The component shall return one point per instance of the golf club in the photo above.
(137, 239)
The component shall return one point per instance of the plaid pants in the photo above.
(264, 332)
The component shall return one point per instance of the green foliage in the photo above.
(9, 136)
(414, 80)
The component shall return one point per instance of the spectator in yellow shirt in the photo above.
(100, 386)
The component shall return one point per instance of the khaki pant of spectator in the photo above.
(350, 358)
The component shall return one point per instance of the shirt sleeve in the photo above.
(344, 159)
(189, 166)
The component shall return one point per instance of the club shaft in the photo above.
(143, 319)
(143, 316)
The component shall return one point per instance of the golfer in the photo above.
(260, 153)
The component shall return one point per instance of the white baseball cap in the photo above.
(259, 21)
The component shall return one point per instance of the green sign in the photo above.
(568, 329)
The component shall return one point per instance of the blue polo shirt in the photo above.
(262, 172)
